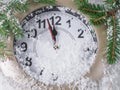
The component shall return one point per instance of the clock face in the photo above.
(58, 45)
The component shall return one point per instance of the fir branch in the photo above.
(9, 25)
(110, 1)
(80, 2)
(113, 40)
(100, 18)
(97, 20)
(99, 15)
(2, 47)
(52, 2)
(96, 12)
(87, 8)
(3, 50)
(18, 6)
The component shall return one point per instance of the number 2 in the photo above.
(81, 33)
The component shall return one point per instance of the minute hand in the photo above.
(51, 32)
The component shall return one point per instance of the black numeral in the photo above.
(55, 20)
(35, 33)
(32, 33)
(54, 77)
(23, 46)
(28, 61)
(41, 72)
(52, 20)
(58, 20)
(69, 23)
(41, 24)
(81, 33)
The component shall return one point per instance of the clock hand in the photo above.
(54, 31)
(53, 34)
(51, 31)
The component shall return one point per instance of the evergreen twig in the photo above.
(8, 22)
(102, 14)
(52, 2)
(18, 6)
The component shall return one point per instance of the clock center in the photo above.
(44, 46)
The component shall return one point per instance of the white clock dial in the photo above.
(58, 45)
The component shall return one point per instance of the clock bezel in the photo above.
(63, 9)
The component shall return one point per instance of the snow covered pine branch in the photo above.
(107, 14)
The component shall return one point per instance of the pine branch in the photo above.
(99, 19)
(99, 15)
(52, 2)
(18, 6)
(2, 46)
(90, 9)
(96, 12)
(110, 1)
(3, 50)
(9, 25)
(80, 2)
(113, 40)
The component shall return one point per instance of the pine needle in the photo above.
(102, 15)
(8, 22)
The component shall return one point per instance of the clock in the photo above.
(58, 45)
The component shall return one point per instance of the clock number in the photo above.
(69, 23)
(40, 23)
(23, 46)
(32, 31)
(41, 72)
(28, 61)
(54, 77)
(58, 18)
(81, 33)
(35, 33)
(52, 20)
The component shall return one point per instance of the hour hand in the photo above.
(54, 31)
(51, 31)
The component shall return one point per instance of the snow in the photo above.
(5, 83)
(110, 80)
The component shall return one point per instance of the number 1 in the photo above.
(69, 23)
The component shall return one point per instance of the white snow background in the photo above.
(110, 81)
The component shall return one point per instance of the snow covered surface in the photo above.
(110, 80)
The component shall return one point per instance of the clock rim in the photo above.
(92, 31)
